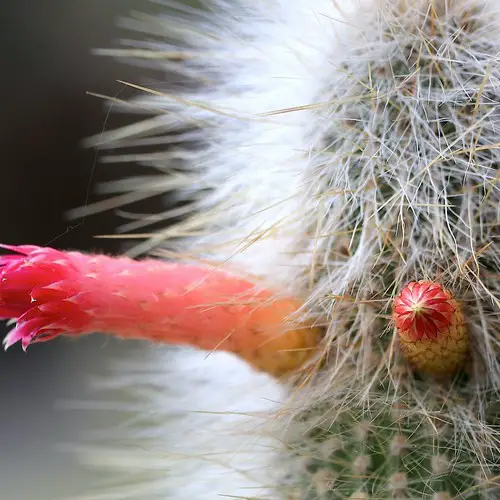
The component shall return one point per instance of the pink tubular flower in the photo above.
(52, 293)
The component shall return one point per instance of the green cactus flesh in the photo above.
(390, 449)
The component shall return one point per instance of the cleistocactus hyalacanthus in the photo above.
(415, 431)
(391, 450)
(347, 152)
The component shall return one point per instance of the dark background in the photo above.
(47, 70)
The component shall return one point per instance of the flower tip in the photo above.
(11, 339)
(6, 344)
(25, 344)
(20, 249)
(30, 278)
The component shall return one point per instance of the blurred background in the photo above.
(47, 71)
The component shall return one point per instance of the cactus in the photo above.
(417, 431)
(442, 440)
(342, 150)
(406, 437)
(392, 450)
